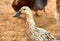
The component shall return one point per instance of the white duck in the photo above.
(34, 33)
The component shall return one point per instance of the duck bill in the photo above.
(17, 14)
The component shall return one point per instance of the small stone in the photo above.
(3, 24)
(19, 21)
(3, 37)
(13, 39)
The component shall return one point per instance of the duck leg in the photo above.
(36, 13)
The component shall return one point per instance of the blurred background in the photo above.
(13, 29)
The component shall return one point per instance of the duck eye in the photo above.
(24, 9)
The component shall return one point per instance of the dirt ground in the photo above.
(13, 29)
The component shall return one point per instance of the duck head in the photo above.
(24, 10)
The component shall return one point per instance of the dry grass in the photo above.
(13, 29)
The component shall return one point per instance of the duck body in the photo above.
(17, 4)
(40, 4)
(39, 34)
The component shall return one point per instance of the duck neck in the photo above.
(30, 21)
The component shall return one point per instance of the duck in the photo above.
(17, 4)
(34, 33)
(33, 4)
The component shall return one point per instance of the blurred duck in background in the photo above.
(33, 4)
